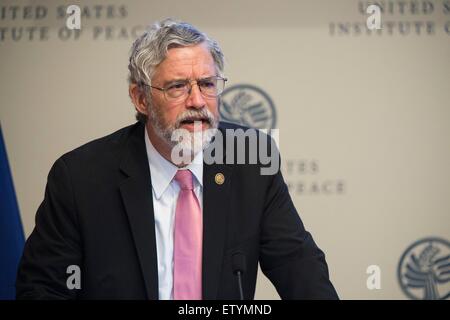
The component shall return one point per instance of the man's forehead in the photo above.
(198, 54)
(180, 62)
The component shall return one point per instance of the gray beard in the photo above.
(197, 142)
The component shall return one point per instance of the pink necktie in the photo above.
(187, 273)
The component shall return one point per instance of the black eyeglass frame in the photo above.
(187, 92)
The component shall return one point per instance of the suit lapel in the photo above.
(216, 203)
(137, 198)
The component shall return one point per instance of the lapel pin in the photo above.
(219, 178)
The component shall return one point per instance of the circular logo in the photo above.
(424, 270)
(249, 106)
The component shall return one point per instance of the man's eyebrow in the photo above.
(167, 82)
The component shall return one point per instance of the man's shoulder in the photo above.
(240, 131)
(223, 125)
(234, 127)
(103, 147)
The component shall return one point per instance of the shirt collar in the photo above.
(162, 171)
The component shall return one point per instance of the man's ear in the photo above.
(138, 98)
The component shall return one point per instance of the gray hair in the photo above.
(150, 49)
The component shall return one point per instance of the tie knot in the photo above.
(184, 179)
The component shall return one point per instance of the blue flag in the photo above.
(12, 238)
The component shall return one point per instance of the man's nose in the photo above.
(195, 98)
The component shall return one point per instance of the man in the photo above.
(136, 221)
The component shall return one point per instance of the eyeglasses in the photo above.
(209, 87)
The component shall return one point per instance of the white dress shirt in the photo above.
(165, 195)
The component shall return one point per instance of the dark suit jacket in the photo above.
(98, 214)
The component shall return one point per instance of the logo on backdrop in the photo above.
(424, 270)
(248, 105)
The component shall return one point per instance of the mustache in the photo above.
(195, 115)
